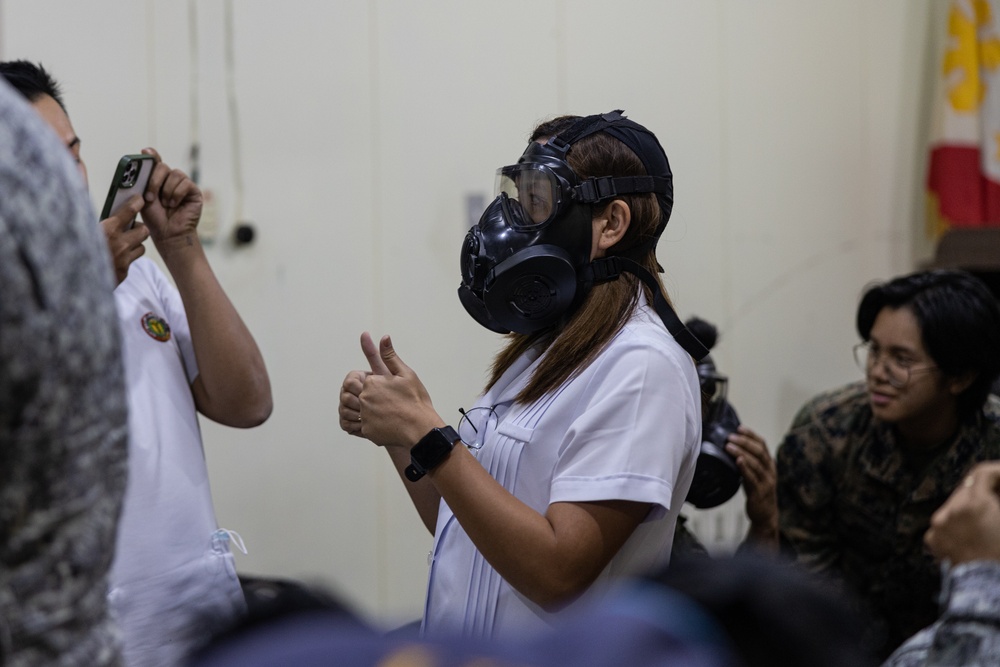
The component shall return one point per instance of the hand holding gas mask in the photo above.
(731, 454)
(760, 483)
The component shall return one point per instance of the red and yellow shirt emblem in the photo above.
(156, 327)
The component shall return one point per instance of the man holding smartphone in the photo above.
(186, 350)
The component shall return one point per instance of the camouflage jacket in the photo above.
(968, 632)
(852, 505)
(62, 406)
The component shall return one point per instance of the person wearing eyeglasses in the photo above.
(864, 467)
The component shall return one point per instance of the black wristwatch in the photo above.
(432, 449)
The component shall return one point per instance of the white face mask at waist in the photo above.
(223, 537)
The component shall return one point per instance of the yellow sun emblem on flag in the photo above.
(967, 55)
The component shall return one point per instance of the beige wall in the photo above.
(795, 131)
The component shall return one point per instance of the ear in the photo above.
(610, 226)
(957, 385)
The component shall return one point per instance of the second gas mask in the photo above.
(716, 477)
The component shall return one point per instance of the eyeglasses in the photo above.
(475, 425)
(898, 369)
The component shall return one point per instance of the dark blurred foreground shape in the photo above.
(62, 406)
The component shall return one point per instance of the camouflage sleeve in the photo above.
(806, 495)
(968, 632)
(63, 415)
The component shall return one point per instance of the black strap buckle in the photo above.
(558, 144)
(605, 269)
(595, 189)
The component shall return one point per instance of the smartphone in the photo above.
(131, 177)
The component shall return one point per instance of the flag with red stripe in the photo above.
(963, 177)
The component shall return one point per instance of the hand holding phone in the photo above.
(130, 179)
(125, 240)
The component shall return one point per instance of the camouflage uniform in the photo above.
(968, 632)
(852, 505)
(62, 405)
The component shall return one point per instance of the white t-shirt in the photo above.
(173, 575)
(627, 428)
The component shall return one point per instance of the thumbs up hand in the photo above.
(373, 354)
(350, 404)
(392, 404)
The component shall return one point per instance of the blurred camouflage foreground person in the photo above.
(864, 467)
(62, 405)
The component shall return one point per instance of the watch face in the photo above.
(432, 449)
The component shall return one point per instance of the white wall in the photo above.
(795, 131)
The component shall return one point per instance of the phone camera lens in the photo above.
(129, 177)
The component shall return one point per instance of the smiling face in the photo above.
(924, 408)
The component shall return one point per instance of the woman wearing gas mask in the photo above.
(571, 469)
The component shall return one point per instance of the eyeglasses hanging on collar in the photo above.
(476, 424)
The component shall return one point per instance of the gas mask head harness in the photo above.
(526, 263)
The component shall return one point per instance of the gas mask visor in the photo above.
(533, 194)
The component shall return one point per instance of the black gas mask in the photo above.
(521, 263)
(716, 476)
(526, 263)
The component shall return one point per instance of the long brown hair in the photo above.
(574, 343)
